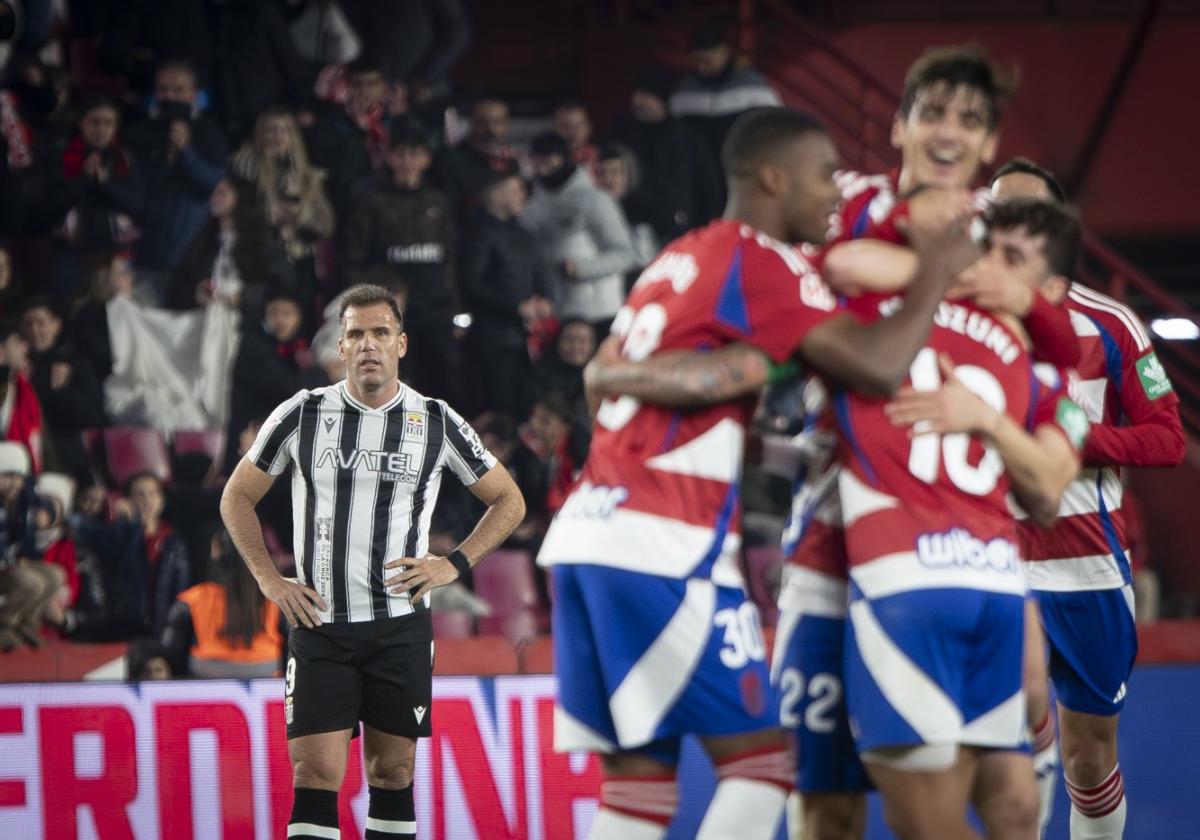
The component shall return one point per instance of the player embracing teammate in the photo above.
(926, 676)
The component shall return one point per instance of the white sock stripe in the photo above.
(300, 829)
(1100, 809)
(1111, 779)
(392, 826)
(775, 761)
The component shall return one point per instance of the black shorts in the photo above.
(379, 672)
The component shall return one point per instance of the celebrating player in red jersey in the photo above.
(1079, 570)
(643, 551)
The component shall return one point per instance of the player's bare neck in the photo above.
(760, 215)
(373, 396)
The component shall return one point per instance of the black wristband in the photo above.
(459, 561)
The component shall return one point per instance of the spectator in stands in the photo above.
(10, 290)
(291, 192)
(181, 153)
(464, 170)
(147, 658)
(648, 217)
(26, 96)
(87, 320)
(558, 448)
(405, 223)
(225, 628)
(572, 123)
(235, 257)
(255, 64)
(505, 287)
(143, 562)
(586, 244)
(20, 412)
(273, 362)
(720, 89)
(55, 543)
(350, 140)
(97, 196)
(418, 42)
(27, 585)
(676, 164)
(561, 371)
(67, 387)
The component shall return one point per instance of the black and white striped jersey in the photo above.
(364, 483)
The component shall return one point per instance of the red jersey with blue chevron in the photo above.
(930, 511)
(1121, 382)
(658, 493)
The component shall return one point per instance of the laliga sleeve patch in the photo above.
(1153, 375)
(1071, 418)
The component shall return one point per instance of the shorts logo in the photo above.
(1155, 381)
(419, 713)
(288, 711)
(414, 425)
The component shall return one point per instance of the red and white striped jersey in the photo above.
(659, 491)
(1121, 382)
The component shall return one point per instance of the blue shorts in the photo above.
(642, 660)
(1092, 639)
(806, 671)
(936, 666)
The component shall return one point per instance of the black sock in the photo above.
(315, 814)
(390, 814)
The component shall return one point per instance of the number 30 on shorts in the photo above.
(824, 691)
(743, 641)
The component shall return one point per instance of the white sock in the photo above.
(1098, 813)
(743, 809)
(613, 825)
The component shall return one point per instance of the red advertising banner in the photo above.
(208, 760)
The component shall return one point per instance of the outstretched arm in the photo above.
(677, 378)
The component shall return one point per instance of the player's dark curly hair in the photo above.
(1058, 223)
(963, 64)
(369, 294)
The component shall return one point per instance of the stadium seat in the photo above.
(763, 567)
(209, 441)
(505, 580)
(452, 624)
(130, 450)
(519, 627)
(480, 656)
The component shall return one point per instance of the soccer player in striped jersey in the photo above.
(367, 456)
(1079, 570)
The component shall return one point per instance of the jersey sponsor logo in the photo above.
(420, 252)
(1073, 421)
(1153, 375)
(977, 326)
(680, 270)
(414, 425)
(956, 547)
(392, 466)
(599, 501)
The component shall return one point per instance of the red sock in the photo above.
(1043, 734)
(1101, 800)
(650, 798)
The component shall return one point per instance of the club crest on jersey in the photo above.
(391, 466)
(414, 425)
(1153, 375)
(1071, 418)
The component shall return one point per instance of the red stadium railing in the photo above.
(858, 108)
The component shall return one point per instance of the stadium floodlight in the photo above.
(1175, 329)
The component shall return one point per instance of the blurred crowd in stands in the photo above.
(185, 188)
